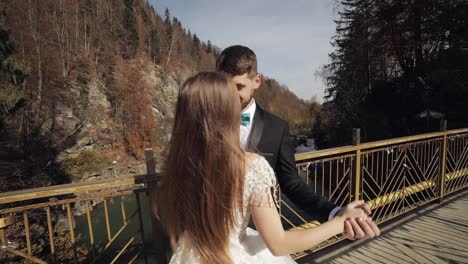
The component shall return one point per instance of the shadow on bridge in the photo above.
(435, 233)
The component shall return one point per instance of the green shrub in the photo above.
(86, 162)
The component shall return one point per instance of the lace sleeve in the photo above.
(262, 184)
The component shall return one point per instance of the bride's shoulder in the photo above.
(257, 164)
(252, 158)
(259, 174)
(251, 155)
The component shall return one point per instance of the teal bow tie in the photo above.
(245, 119)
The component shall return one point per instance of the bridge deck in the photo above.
(431, 234)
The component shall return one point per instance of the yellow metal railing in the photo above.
(53, 200)
(93, 222)
(394, 176)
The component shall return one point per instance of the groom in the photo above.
(268, 135)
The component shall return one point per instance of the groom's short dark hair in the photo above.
(237, 60)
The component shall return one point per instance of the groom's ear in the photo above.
(257, 80)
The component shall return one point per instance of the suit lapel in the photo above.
(257, 129)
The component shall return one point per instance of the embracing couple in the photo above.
(224, 163)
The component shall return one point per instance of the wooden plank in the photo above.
(438, 236)
(415, 255)
(456, 208)
(450, 256)
(419, 240)
(436, 240)
(455, 228)
(384, 246)
(386, 253)
(349, 259)
(452, 212)
(345, 260)
(444, 229)
(454, 215)
(361, 258)
(424, 245)
(428, 233)
(356, 257)
(373, 254)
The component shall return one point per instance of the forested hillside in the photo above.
(86, 86)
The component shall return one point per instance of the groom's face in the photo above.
(246, 87)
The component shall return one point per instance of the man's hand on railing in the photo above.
(362, 226)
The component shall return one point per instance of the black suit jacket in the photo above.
(270, 138)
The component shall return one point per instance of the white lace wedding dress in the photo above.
(246, 245)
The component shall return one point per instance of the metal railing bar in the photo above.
(26, 232)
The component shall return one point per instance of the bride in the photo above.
(210, 187)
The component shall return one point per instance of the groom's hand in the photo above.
(362, 227)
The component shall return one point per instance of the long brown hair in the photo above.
(202, 182)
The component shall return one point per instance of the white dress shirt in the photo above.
(245, 132)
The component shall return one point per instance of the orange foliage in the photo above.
(134, 108)
(279, 100)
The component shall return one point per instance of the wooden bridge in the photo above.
(395, 176)
(429, 234)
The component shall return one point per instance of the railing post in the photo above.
(357, 173)
(443, 128)
(159, 237)
(142, 230)
(4, 223)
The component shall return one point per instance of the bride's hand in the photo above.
(357, 223)
(353, 210)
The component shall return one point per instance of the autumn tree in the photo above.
(133, 108)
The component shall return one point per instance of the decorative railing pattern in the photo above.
(393, 176)
(63, 245)
(456, 169)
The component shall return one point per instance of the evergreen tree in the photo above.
(168, 26)
(196, 50)
(129, 25)
(11, 93)
(348, 84)
(155, 47)
(208, 47)
(391, 63)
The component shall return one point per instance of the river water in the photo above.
(307, 146)
(115, 223)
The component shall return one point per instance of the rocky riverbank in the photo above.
(83, 140)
